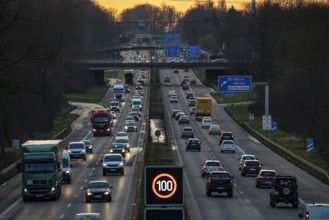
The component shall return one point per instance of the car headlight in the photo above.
(52, 189)
(106, 193)
(121, 164)
(108, 129)
(67, 172)
(94, 129)
(126, 127)
(104, 165)
(123, 150)
(111, 150)
(69, 151)
(83, 151)
(89, 193)
(25, 190)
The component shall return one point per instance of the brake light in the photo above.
(244, 165)
(307, 215)
(209, 180)
(260, 177)
(206, 167)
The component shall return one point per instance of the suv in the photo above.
(193, 144)
(220, 181)
(77, 150)
(284, 189)
(250, 167)
(112, 163)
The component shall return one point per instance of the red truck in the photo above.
(101, 121)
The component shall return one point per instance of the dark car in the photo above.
(226, 135)
(184, 120)
(265, 178)
(98, 190)
(220, 182)
(135, 115)
(189, 95)
(251, 167)
(193, 82)
(187, 132)
(89, 146)
(118, 148)
(185, 86)
(183, 82)
(193, 144)
(176, 71)
(284, 189)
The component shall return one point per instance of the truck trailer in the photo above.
(41, 173)
(202, 108)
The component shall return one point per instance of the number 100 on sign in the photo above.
(163, 185)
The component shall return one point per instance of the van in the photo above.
(167, 81)
(315, 211)
(137, 103)
(66, 167)
(119, 92)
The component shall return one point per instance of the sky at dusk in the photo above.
(180, 5)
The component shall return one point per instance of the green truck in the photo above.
(41, 173)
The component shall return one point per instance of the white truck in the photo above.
(315, 211)
(119, 92)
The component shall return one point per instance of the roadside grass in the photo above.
(293, 142)
(156, 106)
(92, 95)
(201, 74)
(110, 74)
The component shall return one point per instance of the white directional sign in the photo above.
(267, 122)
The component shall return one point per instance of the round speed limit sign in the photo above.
(163, 185)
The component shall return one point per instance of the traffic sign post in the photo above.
(164, 214)
(172, 51)
(157, 133)
(163, 185)
(267, 122)
(310, 145)
(234, 84)
(193, 52)
(274, 127)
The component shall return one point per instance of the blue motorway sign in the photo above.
(141, 23)
(234, 84)
(274, 127)
(310, 145)
(172, 51)
(193, 51)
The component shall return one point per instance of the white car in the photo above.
(173, 98)
(121, 135)
(113, 114)
(171, 92)
(206, 122)
(227, 145)
(245, 157)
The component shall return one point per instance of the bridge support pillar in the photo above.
(99, 76)
(155, 78)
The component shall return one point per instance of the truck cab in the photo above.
(315, 211)
(66, 167)
(119, 92)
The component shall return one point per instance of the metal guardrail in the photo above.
(291, 154)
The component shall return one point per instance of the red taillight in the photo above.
(260, 177)
(209, 180)
(307, 215)
(206, 167)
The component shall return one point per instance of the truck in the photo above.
(119, 92)
(220, 182)
(41, 169)
(202, 108)
(129, 77)
(101, 122)
(315, 211)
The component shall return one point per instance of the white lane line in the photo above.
(2, 214)
(86, 165)
(69, 205)
(247, 201)
(76, 195)
(240, 192)
(61, 217)
(86, 180)
(90, 174)
(81, 187)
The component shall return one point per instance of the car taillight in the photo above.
(244, 165)
(260, 177)
(209, 180)
(231, 182)
(206, 167)
(307, 215)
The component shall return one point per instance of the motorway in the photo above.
(248, 202)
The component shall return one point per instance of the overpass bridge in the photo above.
(213, 69)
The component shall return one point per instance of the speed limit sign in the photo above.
(163, 185)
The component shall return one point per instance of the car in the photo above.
(192, 103)
(176, 71)
(265, 178)
(250, 167)
(173, 98)
(226, 135)
(98, 190)
(140, 80)
(209, 166)
(139, 86)
(136, 109)
(178, 115)
(130, 118)
(113, 114)
(119, 148)
(171, 92)
(189, 95)
(206, 122)
(124, 142)
(126, 88)
(135, 115)
(245, 157)
(186, 78)
(139, 93)
(183, 82)
(284, 189)
(227, 145)
(113, 163)
(66, 167)
(220, 182)
(174, 112)
(184, 119)
(214, 129)
(192, 110)
(185, 86)
(114, 106)
(193, 144)
(77, 150)
(187, 132)
(130, 125)
(89, 145)
(193, 82)
(121, 135)
(88, 216)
